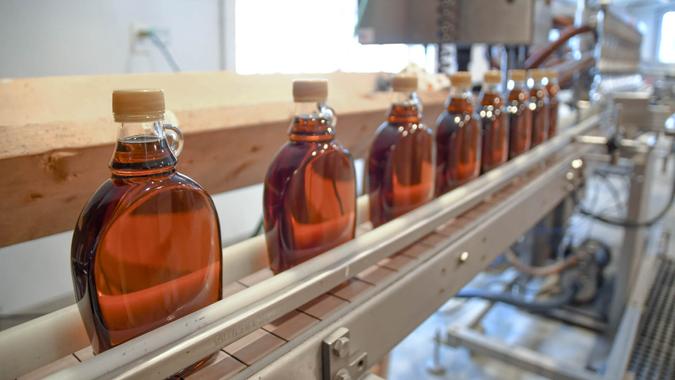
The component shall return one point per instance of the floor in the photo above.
(413, 357)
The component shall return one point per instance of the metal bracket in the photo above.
(337, 359)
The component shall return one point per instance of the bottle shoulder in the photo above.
(453, 120)
(296, 154)
(389, 135)
(118, 193)
(387, 129)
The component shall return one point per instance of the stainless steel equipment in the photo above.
(511, 22)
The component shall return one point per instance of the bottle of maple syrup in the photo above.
(309, 197)
(458, 137)
(519, 113)
(400, 168)
(539, 107)
(146, 247)
(552, 88)
(494, 122)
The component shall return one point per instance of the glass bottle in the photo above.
(400, 168)
(552, 88)
(458, 138)
(309, 196)
(520, 114)
(539, 107)
(494, 122)
(146, 247)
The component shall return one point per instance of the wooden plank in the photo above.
(58, 135)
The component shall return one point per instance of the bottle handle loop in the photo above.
(173, 133)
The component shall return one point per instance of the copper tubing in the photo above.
(538, 57)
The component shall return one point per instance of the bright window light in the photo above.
(667, 38)
(310, 36)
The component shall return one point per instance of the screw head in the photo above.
(342, 374)
(341, 347)
(577, 163)
(569, 176)
(463, 256)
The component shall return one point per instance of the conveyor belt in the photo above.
(390, 271)
(654, 352)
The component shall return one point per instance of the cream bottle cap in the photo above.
(310, 90)
(492, 77)
(404, 83)
(461, 79)
(138, 105)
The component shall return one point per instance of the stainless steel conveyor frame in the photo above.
(486, 216)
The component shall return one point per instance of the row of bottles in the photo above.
(146, 247)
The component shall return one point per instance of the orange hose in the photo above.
(538, 57)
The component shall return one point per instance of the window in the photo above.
(310, 36)
(667, 38)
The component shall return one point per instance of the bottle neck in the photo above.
(142, 149)
(406, 108)
(460, 100)
(491, 96)
(140, 130)
(312, 122)
(491, 88)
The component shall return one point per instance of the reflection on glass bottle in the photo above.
(309, 198)
(494, 122)
(146, 248)
(458, 138)
(552, 88)
(520, 114)
(539, 107)
(400, 169)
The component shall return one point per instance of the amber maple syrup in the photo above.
(552, 88)
(539, 107)
(519, 113)
(146, 248)
(310, 189)
(458, 138)
(494, 122)
(400, 167)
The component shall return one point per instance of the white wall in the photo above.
(66, 37)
